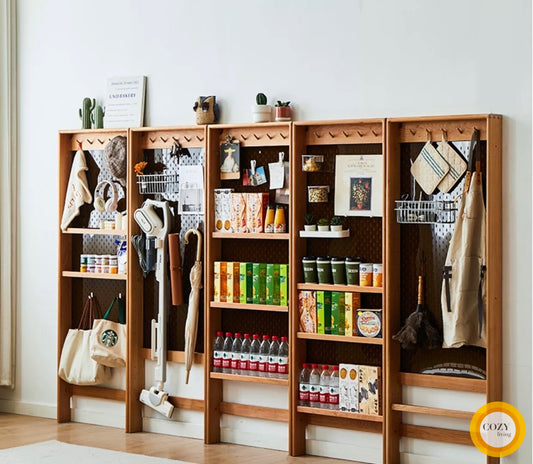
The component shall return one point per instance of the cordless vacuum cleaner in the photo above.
(156, 238)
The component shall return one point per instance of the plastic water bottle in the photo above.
(255, 346)
(226, 353)
(324, 387)
(245, 355)
(303, 395)
(283, 359)
(218, 346)
(262, 368)
(236, 349)
(273, 354)
(334, 388)
(314, 386)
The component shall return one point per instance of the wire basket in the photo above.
(425, 212)
(158, 183)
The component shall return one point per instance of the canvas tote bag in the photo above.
(108, 338)
(75, 365)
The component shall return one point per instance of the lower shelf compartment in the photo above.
(249, 378)
(341, 414)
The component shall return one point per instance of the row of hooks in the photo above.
(91, 141)
(176, 139)
(444, 131)
(257, 137)
(346, 134)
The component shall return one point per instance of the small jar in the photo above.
(83, 263)
(113, 264)
(338, 271)
(323, 269)
(309, 265)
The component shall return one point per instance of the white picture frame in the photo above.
(191, 190)
(358, 185)
(124, 102)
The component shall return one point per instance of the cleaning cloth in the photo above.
(78, 191)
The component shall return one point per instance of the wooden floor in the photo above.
(18, 430)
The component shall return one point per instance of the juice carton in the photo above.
(220, 282)
(259, 283)
(283, 284)
(272, 284)
(352, 302)
(307, 309)
(323, 311)
(238, 212)
(256, 206)
(246, 283)
(337, 313)
(369, 390)
(348, 391)
(223, 210)
(233, 282)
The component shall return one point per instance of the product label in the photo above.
(333, 395)
(235, 358)
(272, 364)
(254, 362)
(217, 359)
(244, 361)
(314, 393)
(226, 360)
(283, 365)
(323, 394)
(263, 362)
(304, 392)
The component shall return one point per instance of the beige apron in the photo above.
(463, 295)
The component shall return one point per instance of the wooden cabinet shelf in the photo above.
(249, 378)
(269, 236)
(340, 414)
(93, 231)
(249, 307)
(339, 338)
(339, 288)
(90, 275)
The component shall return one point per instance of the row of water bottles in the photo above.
(319, 387)
(249, 356)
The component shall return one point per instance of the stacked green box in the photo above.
(337, 313)
(323, 311)
(259, 283)
(246, 283)
(283, 284)
(272, 284)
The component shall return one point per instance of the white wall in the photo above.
(341, 59)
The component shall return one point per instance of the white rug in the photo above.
(56, 452)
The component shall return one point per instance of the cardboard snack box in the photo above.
(369, 390)
(348, 387)
(220, 282)
(256, 207)
(246, 283)
(238, 212)
(307, 309)
(284, 284)
(223, 210)
(323, 311)
(352, 302)
(272, 284)
(233, 282)
(337, 313)
(259, 283)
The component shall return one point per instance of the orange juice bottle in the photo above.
(269, 219)
(280, 223)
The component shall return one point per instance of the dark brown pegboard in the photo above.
(324, 352)
(260, 322)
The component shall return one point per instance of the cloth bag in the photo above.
(75, 365)
(463, 296)
(108, 338)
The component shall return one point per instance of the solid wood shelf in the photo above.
(176, 356)
(339, 338)
(340, 288)
(443, 381)
(90, 391)
(453, 413)
(249, 378)
(92, 231)
(342, 414)
(264, 236)
(249, 307)
(91, 275)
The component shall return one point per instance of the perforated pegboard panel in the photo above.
(433, 240)
(177, 315)
(260, 322)
(336, 353)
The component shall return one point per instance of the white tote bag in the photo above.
(75, 365)
(108, 338)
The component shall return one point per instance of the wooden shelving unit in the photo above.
(250, 307)
(339, 338)
(249, 379)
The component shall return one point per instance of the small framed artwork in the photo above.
(230, 160)
(359, 185)
(191, 190)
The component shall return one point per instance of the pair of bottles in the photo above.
(251, 357)
(319, 388)
(275, 220)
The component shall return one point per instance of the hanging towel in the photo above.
(78, 191)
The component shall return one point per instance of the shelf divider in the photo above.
(343, 414)
(340, 288)
(251, 236)
(249, 307)
(339, 338)
(90, 275)
(249, 379)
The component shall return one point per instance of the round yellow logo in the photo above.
(497, 429)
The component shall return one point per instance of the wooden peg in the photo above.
(101, 142)
(374, 132)
(283, 136)
(345, 134)
(331, 135)
(317, 135)
(152, 140)
(413, 131)
(199, 138)
(257, 137)
(244, 137)
(163, 139)
(175, 139)
(360, 133)
(187, 138)
(269, 136)
(460, 130)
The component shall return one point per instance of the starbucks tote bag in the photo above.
(75, 365)
(108, 338)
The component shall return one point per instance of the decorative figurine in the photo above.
(97, 117)
(206, 110)
(85, 112)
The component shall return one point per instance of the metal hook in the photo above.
(120, 296)
(256, 136)
(283, 136)
(163, 139)
(243, 137)
(269, 136)
(187, 138)
(91, 295)
(331, 135)
(345, 134)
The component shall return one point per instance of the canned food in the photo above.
(365, 274)
(377, 275)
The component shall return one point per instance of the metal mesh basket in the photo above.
(158, 183)
(425, 212)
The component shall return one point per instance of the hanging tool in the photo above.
(157, 230)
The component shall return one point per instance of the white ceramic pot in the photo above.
(261, 113)
(323, 228)
(336, 228)
(310, 227)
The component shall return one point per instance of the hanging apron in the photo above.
(463, 296)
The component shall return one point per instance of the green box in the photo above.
(272, 284)
(259, 283)
(246, 283)
(323, 311)
(284, 284)
(337, 313)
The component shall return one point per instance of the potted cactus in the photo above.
(283, 111)
(335, 224)
(310, 224)
(323, 225)
(261, 112)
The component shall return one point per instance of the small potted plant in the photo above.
(283, 111)
(310, 224)
(261, 112)
(323, 225)
(335, 224)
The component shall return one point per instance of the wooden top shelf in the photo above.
(90, 275)
(249, 307)
(264, 236)
(92, 231)
(249, 378)
(340, 338)
(340, 288)
(343, 414)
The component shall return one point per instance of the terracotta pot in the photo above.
(283, 113)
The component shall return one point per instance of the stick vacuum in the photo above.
(156, 235)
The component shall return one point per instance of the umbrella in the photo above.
(191, 325)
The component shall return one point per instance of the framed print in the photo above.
(230, 160)
(359, 185)
(191, 190)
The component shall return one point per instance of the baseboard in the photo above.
(28, 409)
(175, 428)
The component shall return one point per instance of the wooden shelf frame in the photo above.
(249, 307)
(339, 288)
(339, 338)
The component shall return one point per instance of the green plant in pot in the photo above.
(310, 223)
(323, 225)
(335, 223)
(283, 111)
(261, 112)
